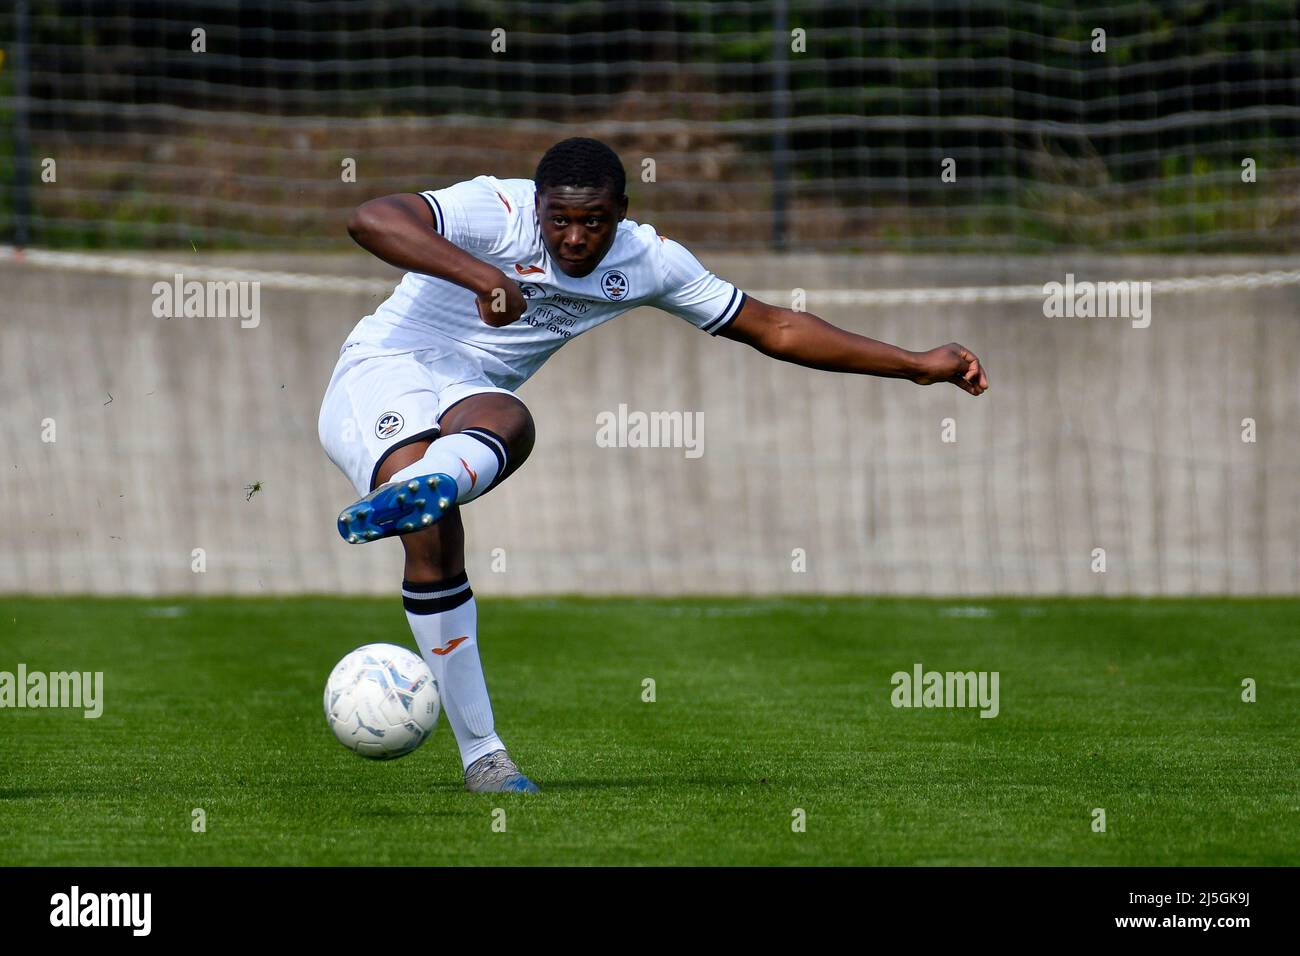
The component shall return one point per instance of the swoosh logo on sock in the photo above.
(454, 643)
(473, 475)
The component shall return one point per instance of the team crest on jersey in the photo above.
(614, 284)
(529, 291)
(389, 424)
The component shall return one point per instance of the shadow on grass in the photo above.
(633, 784)
(20, 793)
(417, 813)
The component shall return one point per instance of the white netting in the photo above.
(803, 125)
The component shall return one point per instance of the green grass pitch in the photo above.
(762, 707)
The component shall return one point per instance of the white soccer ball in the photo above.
(381, 701)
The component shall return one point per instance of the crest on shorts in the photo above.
(389, 424)
(614, 284)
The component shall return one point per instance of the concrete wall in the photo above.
(1095, 435)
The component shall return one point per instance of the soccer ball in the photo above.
(381, 701)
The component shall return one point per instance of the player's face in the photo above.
(578, 226)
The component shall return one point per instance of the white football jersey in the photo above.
(494, 220)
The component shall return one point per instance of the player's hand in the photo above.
(953, 363)
(501, 302)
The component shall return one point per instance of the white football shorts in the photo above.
(378, 402)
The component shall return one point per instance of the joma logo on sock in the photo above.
(103, 909)
(450, 646)
(208, 300)
(75, 689)
(635, 429)
(922, 688)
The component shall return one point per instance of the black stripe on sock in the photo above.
(440, 603)
(497, 449)
(436, 605)
(426, 587)
(439, 606)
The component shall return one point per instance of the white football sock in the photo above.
(444, 620)
(473, 457)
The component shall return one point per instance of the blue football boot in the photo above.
(398, 507)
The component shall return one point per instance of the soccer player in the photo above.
(421, 414)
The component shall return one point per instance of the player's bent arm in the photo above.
(399, 230)
(804, 339)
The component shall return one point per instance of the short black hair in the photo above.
(582, 162)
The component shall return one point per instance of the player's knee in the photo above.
(517, 427)
(526, 435)
(501, 414)
(519, 433)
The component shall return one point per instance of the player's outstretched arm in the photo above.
(804, 339)
(399, 230)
